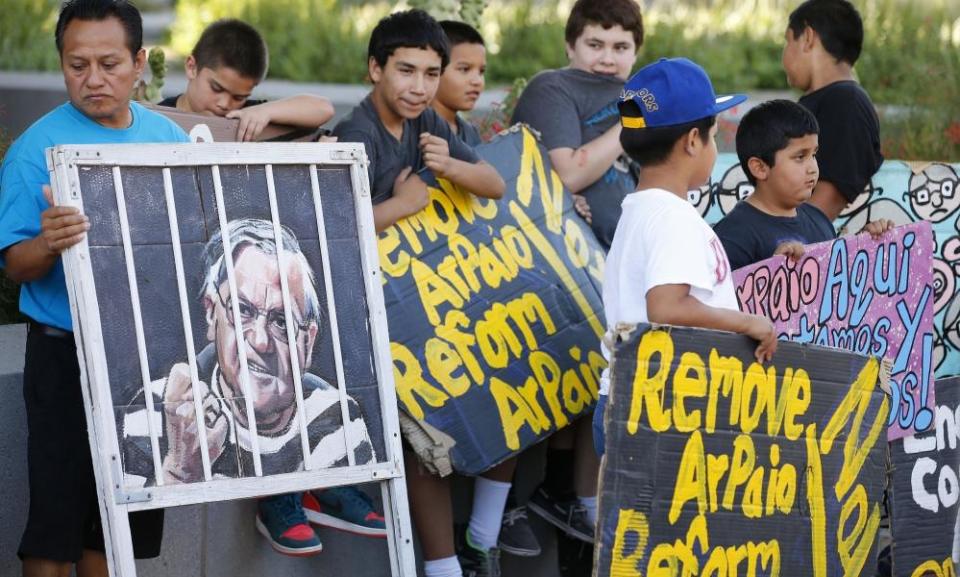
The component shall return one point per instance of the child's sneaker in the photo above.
(344, 508)
(516, 535)
(281, 520)
(474, 561)
(568, 515)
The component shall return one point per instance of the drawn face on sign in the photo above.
(265, 334)
(933, 193)
(702, 197)
(733, 188)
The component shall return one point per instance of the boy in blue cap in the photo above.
(665, 264)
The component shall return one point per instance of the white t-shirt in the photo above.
(661, 239)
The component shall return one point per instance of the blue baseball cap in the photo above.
(672, 91)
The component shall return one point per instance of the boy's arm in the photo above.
(579, 168)
(410, 196)
(303, 110)
(478, 177)
(672, 304)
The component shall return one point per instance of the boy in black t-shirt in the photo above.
(823, 42)
(228, 62)
(777, 145)
(463, 80)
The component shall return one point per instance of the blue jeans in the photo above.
(598, 411)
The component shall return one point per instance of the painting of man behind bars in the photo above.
(272, 359)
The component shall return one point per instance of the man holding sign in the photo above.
(101, 56)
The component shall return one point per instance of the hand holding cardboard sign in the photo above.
(183, 463)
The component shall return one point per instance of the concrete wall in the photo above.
(219, 540)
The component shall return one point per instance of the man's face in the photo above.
(795, 60)
(462, 80)
(216, 91)
(99, 70)
(610, 52)
(408, 81)
(264, 334)
(795, 171)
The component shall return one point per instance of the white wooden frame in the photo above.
(116, 500)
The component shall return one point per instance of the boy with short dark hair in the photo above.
(777, 147)
(491, 525)
(575, 111)
(463, 80)
(404, 136)
(229, 60)
(823, 42)
(401, 133)
(575, 108)
(666, 265)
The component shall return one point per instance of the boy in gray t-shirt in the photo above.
(575, 111)
(401, 133)
(575, 108)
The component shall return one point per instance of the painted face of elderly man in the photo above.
(267, 334)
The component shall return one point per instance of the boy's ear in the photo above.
(692, 142)
(569, 49)
(374, 70)
(809, 39)
(190, 67)
(758, 168)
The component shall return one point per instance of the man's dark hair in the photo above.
(836, 22)
(232, 44)
(607, 14)
(768, 128)
(98, 10)
(460, 33)
(409, 29)
(652, 146)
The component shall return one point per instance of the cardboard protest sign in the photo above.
(926, 489)
(495, 309)
(716, 465)
(902, 192)
(858, 294)
(230, 326)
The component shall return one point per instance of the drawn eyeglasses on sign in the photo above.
(925, 193)
(275, 320)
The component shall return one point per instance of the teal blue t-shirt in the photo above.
(23, 174)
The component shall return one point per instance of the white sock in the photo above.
(590, 504)
(489, 500)
(446, 567)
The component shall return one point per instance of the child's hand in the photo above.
(436, 154)
(761, 329)
(253, 120)
(878, 227)
(410, 191)
(792, 249)
(582, 207)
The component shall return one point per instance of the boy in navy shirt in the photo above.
(777, 145)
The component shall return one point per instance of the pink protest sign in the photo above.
(869, 296)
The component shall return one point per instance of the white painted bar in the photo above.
(187, 322)
(332, 312)
(215, 154)
(251, 487)
(237, 322)
(138, 322)
(288, 315)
